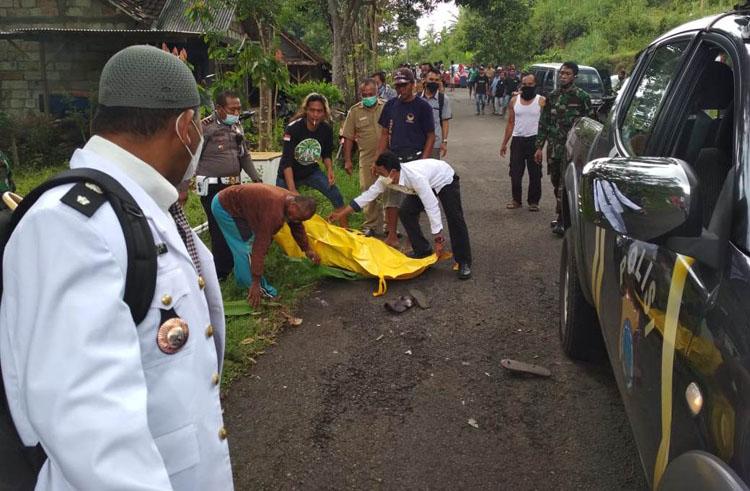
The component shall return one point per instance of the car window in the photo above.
(549, 81)
(638, 123)
(589, 81)
(539, 76)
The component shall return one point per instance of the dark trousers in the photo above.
(222, 254)
(522, 157)
(450, 198)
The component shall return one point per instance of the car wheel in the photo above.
(580, 334)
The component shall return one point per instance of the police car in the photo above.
(655, 266)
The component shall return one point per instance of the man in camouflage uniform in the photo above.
(564, 106)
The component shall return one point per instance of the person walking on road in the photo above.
(563, 107)
(441, 112)
(428, 184)
(225, 154)
(471, 80)
(117, 404)
(361, 126)
(523, 123)
(481, 90)
(307, 140)
(408, 130)
(249, 216)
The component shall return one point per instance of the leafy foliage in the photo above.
(297, 92)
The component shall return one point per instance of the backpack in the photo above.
(20, 465)
(441, 103)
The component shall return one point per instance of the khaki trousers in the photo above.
(374, 210)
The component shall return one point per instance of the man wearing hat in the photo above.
(408, 130)
(117, 405)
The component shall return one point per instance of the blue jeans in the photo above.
(481, 100)
(318, 181)
(242, 249)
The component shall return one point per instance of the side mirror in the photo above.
(603, 111)
(646, 198)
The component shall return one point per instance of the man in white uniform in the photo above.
(117, 405)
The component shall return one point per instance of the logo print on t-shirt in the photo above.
(410, 118)
(307, 152)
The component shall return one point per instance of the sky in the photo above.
(443, 15)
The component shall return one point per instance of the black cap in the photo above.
(403, 76)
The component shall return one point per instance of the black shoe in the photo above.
(464, 272)
(558, 229)
(553, 223)
(419, 255)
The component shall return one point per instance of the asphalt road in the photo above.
(360, 398)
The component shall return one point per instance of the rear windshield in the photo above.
(589, 81)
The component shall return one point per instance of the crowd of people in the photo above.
(138, 407)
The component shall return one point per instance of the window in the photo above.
(638, 122)
(549, 81)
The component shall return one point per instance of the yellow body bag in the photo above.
(353, 251)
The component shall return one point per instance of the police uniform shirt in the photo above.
(223, 151)
(112, 410)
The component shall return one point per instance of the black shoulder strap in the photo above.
(140, 281)
(441, 102)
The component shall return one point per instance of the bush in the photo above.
(298, 92)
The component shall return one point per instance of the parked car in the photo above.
(655, 265)
(588, 79)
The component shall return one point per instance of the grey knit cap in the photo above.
(147, 77)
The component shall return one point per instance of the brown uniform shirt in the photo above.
(362, 125)
(260, 208)
(225, 151)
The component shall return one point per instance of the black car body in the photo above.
(656, 254)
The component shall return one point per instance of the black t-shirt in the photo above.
(411, 123)
(483, 81)
(303, 149)
(511, 85)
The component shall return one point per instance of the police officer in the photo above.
(564, 106)
(114, 404)
(225, 153)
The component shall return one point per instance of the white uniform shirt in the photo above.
(111, 409)
(423, 177)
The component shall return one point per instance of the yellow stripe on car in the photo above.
(674, 302)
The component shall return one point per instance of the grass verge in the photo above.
(248, 336)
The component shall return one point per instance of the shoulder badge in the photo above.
(84, 197)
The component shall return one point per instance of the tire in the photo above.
(580, 335)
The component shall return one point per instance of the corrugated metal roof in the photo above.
(173, 18)
(30, 31)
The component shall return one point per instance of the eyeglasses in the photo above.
(399, 86)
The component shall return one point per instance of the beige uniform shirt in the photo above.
(362, 125)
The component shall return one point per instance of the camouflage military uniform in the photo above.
(563, 108)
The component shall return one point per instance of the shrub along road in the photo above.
(360, 398)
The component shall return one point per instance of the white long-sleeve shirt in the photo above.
(424, 177)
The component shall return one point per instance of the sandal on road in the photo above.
(400, 305)
(513, 205)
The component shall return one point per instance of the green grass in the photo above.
(248, 336)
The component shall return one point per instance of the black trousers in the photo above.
(450, 198)
(222, 254)
(522, 151)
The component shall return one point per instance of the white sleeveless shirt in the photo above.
(527, 117)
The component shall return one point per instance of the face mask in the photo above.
(432, 86)
(369, 101)
(194, 157)
(528, 93)
(231, 119)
